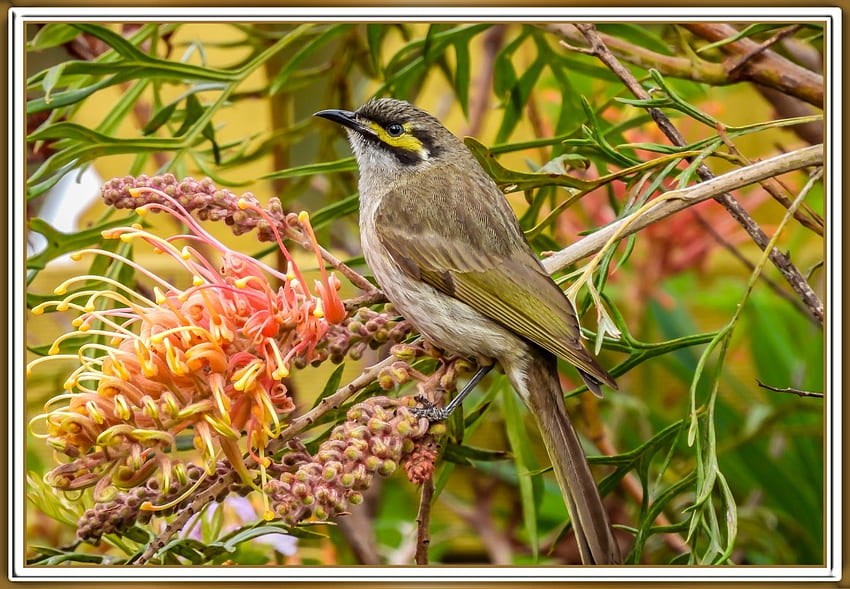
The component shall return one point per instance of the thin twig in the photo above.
(792, 390)
(762, 47)
(370, 298)
(780, 260)
(423, 522)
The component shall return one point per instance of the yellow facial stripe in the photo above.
(406, 141)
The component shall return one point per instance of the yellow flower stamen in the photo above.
(148, 506)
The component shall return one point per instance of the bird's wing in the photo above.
(506, 284)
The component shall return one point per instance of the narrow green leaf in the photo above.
(640, 35)
(336, 210)
(472, 453)
(249, 533)
(529, 486)
(748, 31)
(331, 386)
(51, 35)
(374, 37)
(50, 79)
(512, 180)
(59, 243)
(118, 43)
(209, 134)
(310, 48)
(70, 557)
(462, 74)
(138, 534)
(159, 118)
(519, 95)
(344, 165)
(194, 111)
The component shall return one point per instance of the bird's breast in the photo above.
(448, 323)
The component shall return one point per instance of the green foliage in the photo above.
(715, 458)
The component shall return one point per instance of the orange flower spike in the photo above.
(245, 204)
(332, 307)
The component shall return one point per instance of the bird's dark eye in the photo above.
(395, 130)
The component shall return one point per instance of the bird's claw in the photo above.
(430, 411)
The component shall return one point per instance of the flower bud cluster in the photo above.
(200, 197)
(125, 509)
(366, 328)
(420, 463)
(376, 436)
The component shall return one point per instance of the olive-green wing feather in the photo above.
(508, 285)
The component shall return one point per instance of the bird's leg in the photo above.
(432, 413)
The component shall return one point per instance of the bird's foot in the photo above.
(430, 411)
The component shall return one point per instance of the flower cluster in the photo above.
(125, 508)
(366, 328)
(378, 434)
(201, 198)
(208, 358)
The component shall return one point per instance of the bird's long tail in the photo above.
(545, 399)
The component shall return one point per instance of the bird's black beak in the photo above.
(346, 118)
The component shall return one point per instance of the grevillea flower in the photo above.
(377, 436)
(207, 358)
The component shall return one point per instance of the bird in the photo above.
(446, 248)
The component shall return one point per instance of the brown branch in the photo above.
(761, 48)
(669, 65)
(792, 390)
(370, 298)
(789, 78)
(358, 528)
(423, 522)
(788, 107)
(749, 61)
(733, 207)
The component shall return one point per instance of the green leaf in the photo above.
(748, 31)
(331, 386)
(520, 92)
(296, 60)
(60, 243)
(118, 43)
(462, 75)
(194, 111)
(159, 118)
(411, 62)
(641, 35)
(530, 486)
(138, 534)
(51, 78)
(51, 35)
(69, 557)
(465, 453)
(374, 37)
(513, 181)
(249, 533)
(334, 211)
(344, 165)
